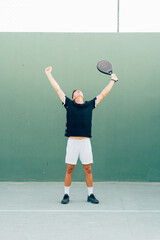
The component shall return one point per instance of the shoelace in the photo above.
(65, 196)
(92, 196)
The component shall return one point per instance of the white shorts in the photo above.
(79, 148)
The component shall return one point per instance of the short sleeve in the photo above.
(93, 102)
(67, 102)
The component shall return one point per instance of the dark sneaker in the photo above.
(65, 199)
(92, 199)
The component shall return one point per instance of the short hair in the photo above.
(73, 92)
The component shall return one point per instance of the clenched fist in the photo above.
(48, 70)
(114, 77)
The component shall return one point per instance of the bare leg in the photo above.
(88, 174)
(68, 176)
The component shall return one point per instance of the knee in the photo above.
(70, 170)
(88, 170)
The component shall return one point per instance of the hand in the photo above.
(114, 77)
(48, 70)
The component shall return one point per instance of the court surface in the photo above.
(32, 211)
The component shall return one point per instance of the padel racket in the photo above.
(105, 67)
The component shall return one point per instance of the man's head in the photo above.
(77, 94)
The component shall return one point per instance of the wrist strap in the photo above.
(113, 80)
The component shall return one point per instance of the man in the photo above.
(78, 131)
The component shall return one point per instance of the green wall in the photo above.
(125, 125)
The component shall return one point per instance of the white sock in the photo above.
(66, 190)
(90, 190)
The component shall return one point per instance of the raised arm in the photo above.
(106, 90)
(55, 84)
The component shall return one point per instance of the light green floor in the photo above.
(32, 211)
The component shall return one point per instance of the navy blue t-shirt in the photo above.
(78, 117)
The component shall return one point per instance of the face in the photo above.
(77, 93)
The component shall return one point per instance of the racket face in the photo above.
(105, 66)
